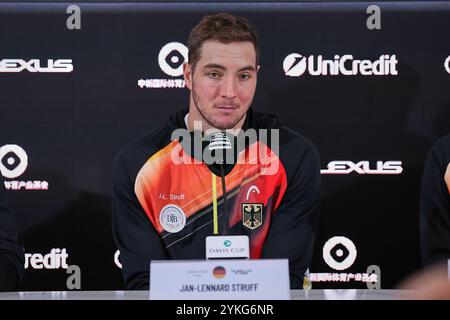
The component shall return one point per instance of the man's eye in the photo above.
(213, 75)
(244, 76)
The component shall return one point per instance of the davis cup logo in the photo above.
(172, 218)
(294, 65)
(171, 58)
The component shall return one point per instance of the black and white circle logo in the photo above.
(294, 65)
(339, 253)
(171, 58)
(13, 161)
(447, 64)
(172, 218)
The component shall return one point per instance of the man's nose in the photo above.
(229, 88)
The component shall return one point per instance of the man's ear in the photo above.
(257, 68)
(187, 73)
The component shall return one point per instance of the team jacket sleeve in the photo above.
(294, 224)
(134, 234)
(434, 210)
(11, 253)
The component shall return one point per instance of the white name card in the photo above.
(265, 279)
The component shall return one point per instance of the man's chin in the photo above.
(225, 125)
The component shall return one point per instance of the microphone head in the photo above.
(220, 149)
(219, 141)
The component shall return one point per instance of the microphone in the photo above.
(219, 141)
(220, 160)
(220, 156)
(220, 152)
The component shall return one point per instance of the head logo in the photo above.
(13, 161)
(227, 243)
(219, 272)
(339, 253)
(294, 65)
(253, 188)
(171, 58)
(172, 218)
(447, 64)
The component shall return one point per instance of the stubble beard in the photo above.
(209, 120)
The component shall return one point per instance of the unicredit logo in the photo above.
(56, 259)
(36, 65)
(447, 64)
(295, 65)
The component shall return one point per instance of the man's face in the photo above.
(222, 84)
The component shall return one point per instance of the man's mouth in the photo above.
(226, 108)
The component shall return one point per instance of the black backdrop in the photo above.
(71, 124)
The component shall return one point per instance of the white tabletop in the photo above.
(326, 294)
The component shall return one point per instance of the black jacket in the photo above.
(435, 204)
(282, 190)
(11, 253)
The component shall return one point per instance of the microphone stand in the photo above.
(224, 192)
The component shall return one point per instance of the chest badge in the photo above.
(172, 218)
(252, 215)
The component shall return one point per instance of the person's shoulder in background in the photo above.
(443, 146)
(11, 253)
(431, 284)
(441, 149)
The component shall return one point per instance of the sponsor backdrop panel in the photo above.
(372, 100)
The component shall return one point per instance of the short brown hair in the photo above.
(222, 27)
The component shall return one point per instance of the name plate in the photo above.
(266, 279)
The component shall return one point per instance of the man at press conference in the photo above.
(11, 253)
(167, 198)
(435, 204)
